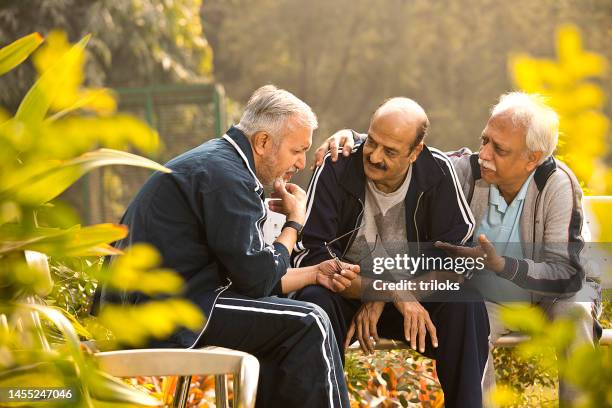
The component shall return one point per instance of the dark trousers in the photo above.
(294, 343)
(462, 329)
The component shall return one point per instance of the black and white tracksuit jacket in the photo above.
(206, 219)
(436, 209)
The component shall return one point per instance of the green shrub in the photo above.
(61, 131)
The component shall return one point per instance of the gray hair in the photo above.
(269, 109)
(532, 112)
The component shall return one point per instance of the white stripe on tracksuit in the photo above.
(309, 312)
(461, 201)
(463, 205)
(310, 194)
(259, 222)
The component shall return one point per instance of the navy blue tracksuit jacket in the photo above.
(206, 220)
(436, 210)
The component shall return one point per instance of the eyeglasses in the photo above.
(335, 257)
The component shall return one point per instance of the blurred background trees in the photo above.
(134, 42)
(343, 57)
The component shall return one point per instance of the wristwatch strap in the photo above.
(295, 225)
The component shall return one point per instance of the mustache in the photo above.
(487, 164)
(379, 166)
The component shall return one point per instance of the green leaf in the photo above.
(138, 270)
(101, 100)
(16, 52)
(38, 374)
(45, 187)
(75, 241)
(114, 132)
(36, 103)
(104, 387)
(527, 319)
(78, 327)
(101, 386)
(133, 325)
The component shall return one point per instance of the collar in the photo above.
(495, 197)
(241, 143)
(540, 176)
(544, 171)
(426, 172)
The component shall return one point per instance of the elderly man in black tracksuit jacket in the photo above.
(432, 208)
(206, 219)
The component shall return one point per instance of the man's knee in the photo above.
(318, 296)
(497, 328)
(318, 312)
(476, 311)
(581, 313)
(469, 318)
(572, 310)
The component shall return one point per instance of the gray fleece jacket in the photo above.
(550, 225)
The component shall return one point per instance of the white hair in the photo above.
(270, 109)
(531, 112)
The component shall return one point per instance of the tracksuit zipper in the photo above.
(535, 213)
(416, 228)
(352, 237)
(220, 289)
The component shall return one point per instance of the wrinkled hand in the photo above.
(342, 138)
(485, 249)
(416, 324)
(333, 279)
(364, 322)
(288, 199)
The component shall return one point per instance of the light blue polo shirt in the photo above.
(501, 225)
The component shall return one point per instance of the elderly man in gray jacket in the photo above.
(528, 211)
(527, 206)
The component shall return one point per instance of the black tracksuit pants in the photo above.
(300, 363)
(462, 328)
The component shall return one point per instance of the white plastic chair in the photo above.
(183, 363)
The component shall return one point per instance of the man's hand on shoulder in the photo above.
(341, 139)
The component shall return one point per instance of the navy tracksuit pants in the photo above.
(462, 328)
(300, 363)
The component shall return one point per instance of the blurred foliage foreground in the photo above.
(60, 131)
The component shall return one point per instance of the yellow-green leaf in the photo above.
(75, 241)
(78, 327)
(135, 324)
(36, 103)
(103, 387)
(114, 132)
(45, 187)
(525, 318)
(99, 100)
(137, 270)
(16, 52)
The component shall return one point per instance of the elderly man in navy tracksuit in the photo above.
(206, 219)
(394, 196)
